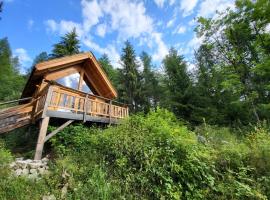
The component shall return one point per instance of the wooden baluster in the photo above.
(85, 105)
(110, 112)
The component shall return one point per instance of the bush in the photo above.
(151, 157)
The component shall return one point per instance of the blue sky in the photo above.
(33, 26)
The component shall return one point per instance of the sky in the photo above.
(154, 26)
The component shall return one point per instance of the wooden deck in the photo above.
(58, 101)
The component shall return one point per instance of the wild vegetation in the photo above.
(200, 134)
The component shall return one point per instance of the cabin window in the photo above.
(72, 81)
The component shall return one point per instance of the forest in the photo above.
(192, 134)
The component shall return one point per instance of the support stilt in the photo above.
(41, 137)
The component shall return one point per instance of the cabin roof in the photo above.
(94, 77)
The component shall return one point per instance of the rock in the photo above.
(45, 160)
(50, 197)
(201, 139)
(33, 171)
(25, 172)
(19, 159)
(12, 165)
(35, 165)
(22, 164)
(28, 161)
(64, 191)
(41, 171)
(18, 172)
(33, 176)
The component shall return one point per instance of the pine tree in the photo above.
(108, 68)
(43, 56)
(178, 83)
(129, 75)
(150, 86)
(10, 79)
(68, 45)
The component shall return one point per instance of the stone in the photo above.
(19, 159)
(25, 172)
(18, 172)
(41, 170)
(45, 160)
(12, 165)
(35, 165)
(21, 164)
(49, 197)
(33, 176)
(33, 171)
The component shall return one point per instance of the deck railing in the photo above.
(69, 100)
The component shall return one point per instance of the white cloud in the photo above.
(267, 28)
(180, 30)
(187, 6)
(51, 25)
(30, 24)
(110, 50)
(172, 2)
(91, 12)
(161, 49)
(194, 43)
(128, 19)
(192, 22)
(24, 59)
(190, 66)
(171, 22)
(160, 3)
(101, 30)
(63, 27)
(209, 7)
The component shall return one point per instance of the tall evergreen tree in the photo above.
(108, 68)
(178, 83)
(150, 86)
(43, 56)
(129, 75)
(68, 45)
(10, 79)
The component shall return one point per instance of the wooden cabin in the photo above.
(45, 97)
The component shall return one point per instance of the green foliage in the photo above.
(68, 45)
(112, 73)
(149, 157)
(235, 47)
(156, 156)
(11, 81)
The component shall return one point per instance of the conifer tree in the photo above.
(108, 68)
(68, 45)
(150, 84)
(178, 83)
(11, 81)
(129, 75)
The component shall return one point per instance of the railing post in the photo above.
(48, 99)
(85, 108)
(110, 113)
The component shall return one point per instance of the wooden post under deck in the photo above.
(41, 137)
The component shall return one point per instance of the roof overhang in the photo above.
(94, 77)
